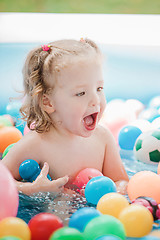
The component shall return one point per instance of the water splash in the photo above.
(62, 205)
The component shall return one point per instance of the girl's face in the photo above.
(78, 99)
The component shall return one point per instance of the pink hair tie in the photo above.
(82, 40)
(46, 48)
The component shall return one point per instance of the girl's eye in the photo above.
(99, 89)
(80, 94)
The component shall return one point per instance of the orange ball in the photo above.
(13, 226)
(8, 135)
(144, 183)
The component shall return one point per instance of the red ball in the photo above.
(43, 225)
(85, 175)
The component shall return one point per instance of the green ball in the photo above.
(7, 150)
(104, 225)
(66, 233)
(5, 122)
(10, 238)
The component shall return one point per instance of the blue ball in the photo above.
(29, 170)
(108, 237)
(13, 109)
(97, 187)
(127, 137)
(147, 238)
(20, 125)
(81, 217)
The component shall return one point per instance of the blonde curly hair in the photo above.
(42, 66)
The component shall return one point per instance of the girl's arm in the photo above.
(112, 165)
(28, 148)
(42, 184)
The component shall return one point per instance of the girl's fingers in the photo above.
(45, 169)
(61, 181)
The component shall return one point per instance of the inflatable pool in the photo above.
(131, 49)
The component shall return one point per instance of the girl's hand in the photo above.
(43, 184)
(122, 187)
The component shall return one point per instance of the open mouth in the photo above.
(90, 121)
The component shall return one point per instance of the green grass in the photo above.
(82, 6)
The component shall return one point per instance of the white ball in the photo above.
(147, 147)
(142, 124)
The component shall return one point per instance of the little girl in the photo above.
(64, 101)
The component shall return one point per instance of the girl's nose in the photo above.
(94, 100)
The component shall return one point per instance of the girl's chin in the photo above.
(87, 133)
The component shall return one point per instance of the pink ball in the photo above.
(85, 175)
(8, 194)
(146, 184)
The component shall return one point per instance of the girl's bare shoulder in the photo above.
(103, 132)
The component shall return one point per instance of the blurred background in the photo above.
(127, 32)
(82, 6)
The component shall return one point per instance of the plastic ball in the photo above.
(127, 137)
(137, 220)
(10, 238)
(7, 150)
(104, 225)
(29, 170)
(43, 225)
(116, 116)
(13, 109)
(8, 194)
(134, 105)
(142, 124)
(8, 135)
(81, 217)
(13, 226)
(84, 176)
(9, 118)
(148, 237)
(149, 114)
(20, 125)
(97, 187)
(155, 102)
(150, 204)
(156, 123)
(66, 233)
(144, 183)
(5, 122)
(112, 204)
(147, 147)
(108, 237)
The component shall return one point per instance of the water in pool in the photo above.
(64, 205)
(128, 72)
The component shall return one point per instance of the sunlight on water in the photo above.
(63, 205)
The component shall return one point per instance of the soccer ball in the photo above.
(147, 147)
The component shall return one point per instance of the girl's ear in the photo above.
(47, 104)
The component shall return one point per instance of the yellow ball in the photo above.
(13, 226)
(112, 204)
(137, 220)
